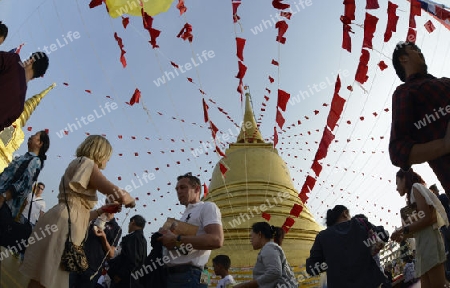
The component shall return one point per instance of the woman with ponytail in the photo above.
(16, 180)
(343, 251)
(271, 269)
(278, 235)
(424, 225)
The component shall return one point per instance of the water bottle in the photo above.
(205, 277)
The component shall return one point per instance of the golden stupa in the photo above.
(12, 137)
(257, 181)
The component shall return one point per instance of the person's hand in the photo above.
(131, 203)
(127, 200)
(397, 235)
(168, 239)
(99, 232)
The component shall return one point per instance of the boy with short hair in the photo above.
(221, 264)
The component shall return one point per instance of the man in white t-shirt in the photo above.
(185, 256)
(38, 207)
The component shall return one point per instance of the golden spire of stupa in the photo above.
(249, 129)
(12, 137)
(31, 104)
(258, 185)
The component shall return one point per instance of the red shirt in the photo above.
(13, 88)
(420, 113)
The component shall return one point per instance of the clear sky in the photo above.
(157, 134)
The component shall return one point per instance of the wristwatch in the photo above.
(178, 241)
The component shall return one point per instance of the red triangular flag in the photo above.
(283, 99)
(429, 26)
(242, 70)
(289, 222)
(382, 65)
(296, 210)
(280, 6)
(275, 137)
(125, 22)
(316, 167)
(205, 190)
(280, 119)
(372, 4)
(265, 216)
(240, 43)
(223, 169)
(205, 111)
(181, 7)
(282, 28)
(391, 22)
(135, 98)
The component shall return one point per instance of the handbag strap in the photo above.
(69, 237)
(68, 210)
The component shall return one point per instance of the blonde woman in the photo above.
(80, 182)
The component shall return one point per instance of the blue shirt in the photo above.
(22, 187)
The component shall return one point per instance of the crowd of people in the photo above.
(347, 250)
(96, 230)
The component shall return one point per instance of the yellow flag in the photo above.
(133, 7)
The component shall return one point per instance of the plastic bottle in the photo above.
(205, 277)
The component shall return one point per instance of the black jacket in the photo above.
(132, 256)
(349, 263)
(157, 275)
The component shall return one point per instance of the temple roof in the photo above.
(257, 182)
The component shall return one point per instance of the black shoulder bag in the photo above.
(14, 234)
(73, 258)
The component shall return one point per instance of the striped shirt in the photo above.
(420, 113)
